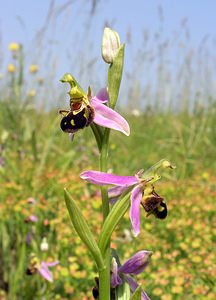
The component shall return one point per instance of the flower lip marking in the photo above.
(79, 117)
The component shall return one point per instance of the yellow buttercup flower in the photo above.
(11, 68)
(33, 68)
(14, 47)
(32, 93)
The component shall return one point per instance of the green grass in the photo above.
(39, 161)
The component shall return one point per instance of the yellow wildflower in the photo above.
(166, 297)
(33, 68)
(158, 291)
(179, 281)
(14, 47)
(11, 68)
(177, 289)
(32, 93)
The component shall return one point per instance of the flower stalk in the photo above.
(104, 275)
(113, 87)
(127, 192)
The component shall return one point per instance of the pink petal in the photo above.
(52, 264)
(45, 272)
(136, 197)
(116, 191)
(102, 178)
(102, 96)
(33, 218)
(115, 278)
(106, 117)
(137, 263)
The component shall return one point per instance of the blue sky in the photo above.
(136, 14)
(67, 35)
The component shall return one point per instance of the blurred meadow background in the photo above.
(167, 95)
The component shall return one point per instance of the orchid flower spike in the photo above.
(133, 266)
(85, 109)
(141, 188)
(37, 266)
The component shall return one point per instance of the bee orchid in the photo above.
(85, 109)
(141, 189)
(42, 267)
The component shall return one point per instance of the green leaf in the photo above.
(123, 292)
(115, 76)
(83, 230)
(137, 294)
(118, 211)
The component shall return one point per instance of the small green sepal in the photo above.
(137, 294)
(123, 292)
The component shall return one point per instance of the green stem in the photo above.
(98, 135)
(103, 168)
(104, 275)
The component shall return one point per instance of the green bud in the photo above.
(110, 45)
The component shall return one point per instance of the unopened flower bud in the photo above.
(110, 45)
(136, 264)
(44, 245)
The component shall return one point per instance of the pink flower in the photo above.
(133, 266)
(86, 109)
(44, 269)
(31, 218)
(107, 117)
(141, 189)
